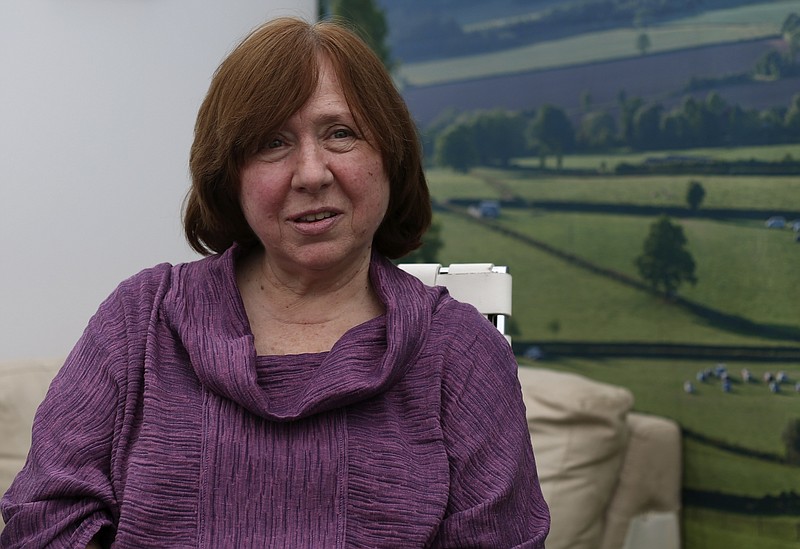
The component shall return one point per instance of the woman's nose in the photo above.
(311, 173)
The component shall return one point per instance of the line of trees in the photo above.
(493, 138)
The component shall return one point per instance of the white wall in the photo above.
(97, 106)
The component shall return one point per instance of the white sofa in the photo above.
(611, 477)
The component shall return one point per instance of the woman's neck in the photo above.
(290, 314)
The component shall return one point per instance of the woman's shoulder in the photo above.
(160, 278)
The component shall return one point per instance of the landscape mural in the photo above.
(645, 157)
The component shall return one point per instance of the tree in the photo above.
(769, 66)
(694, 194)
(431, 132)
(665, 263)
(498, 136)
(627, 110)
(551, 132)
(643, 43)
(431, 244)
(791, 441)
(455, 148)
(646, 127)
(586, 101)
(486, 138)
(368, 20)
(598, 130)
(790, 31)
(792, 118)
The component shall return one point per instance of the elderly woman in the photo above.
(294, 388)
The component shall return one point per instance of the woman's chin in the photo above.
(326, 258)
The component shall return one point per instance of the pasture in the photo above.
(548, 291)
(743, 269)
(738, 192)
(756, 278)
(749, 417)
(743, 23)
(707, 529)
(605, 162)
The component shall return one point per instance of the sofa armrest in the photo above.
(23, 384)
(579, 433)
(644, 511)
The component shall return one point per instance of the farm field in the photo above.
(667, 75)
(737, 192)
(606, 162)
(754, 279)
(749, 417)
(720, 26)
(585, 307)
(707, 529)
(744, 269)
(747, 292)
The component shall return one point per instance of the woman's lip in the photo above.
(317, 216)
(309, 216)
(318, 226)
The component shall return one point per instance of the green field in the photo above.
(749, 415)
(756, 278)
(743, 269)
(720, 26)
(588, 307)
(744, 192)
(705, 529)
(769, 153)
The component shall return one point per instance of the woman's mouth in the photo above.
(310, 218)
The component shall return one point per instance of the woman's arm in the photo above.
(64, 496)
(495, 497)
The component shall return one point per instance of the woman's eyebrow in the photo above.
(334, 117)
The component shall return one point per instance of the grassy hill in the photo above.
(743, 23)
(744, 269)
(591, 308)
(714, 45)
(733, 444)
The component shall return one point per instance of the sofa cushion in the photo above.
(579, 433)
(23, 384)
(577, 428)
(649, 487)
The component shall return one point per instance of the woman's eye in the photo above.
(342, 133)
(274, 143)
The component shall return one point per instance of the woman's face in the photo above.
(317, 190)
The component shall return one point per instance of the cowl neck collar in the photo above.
(207, 312)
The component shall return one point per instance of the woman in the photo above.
(293, 388)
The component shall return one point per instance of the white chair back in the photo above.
(484, 285)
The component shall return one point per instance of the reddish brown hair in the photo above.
(263, 82)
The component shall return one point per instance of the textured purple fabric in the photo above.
(166, 430)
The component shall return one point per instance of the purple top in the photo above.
(165, 429)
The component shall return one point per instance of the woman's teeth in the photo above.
(315, 217)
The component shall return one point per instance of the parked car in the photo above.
(534, 352)
(776, 222)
